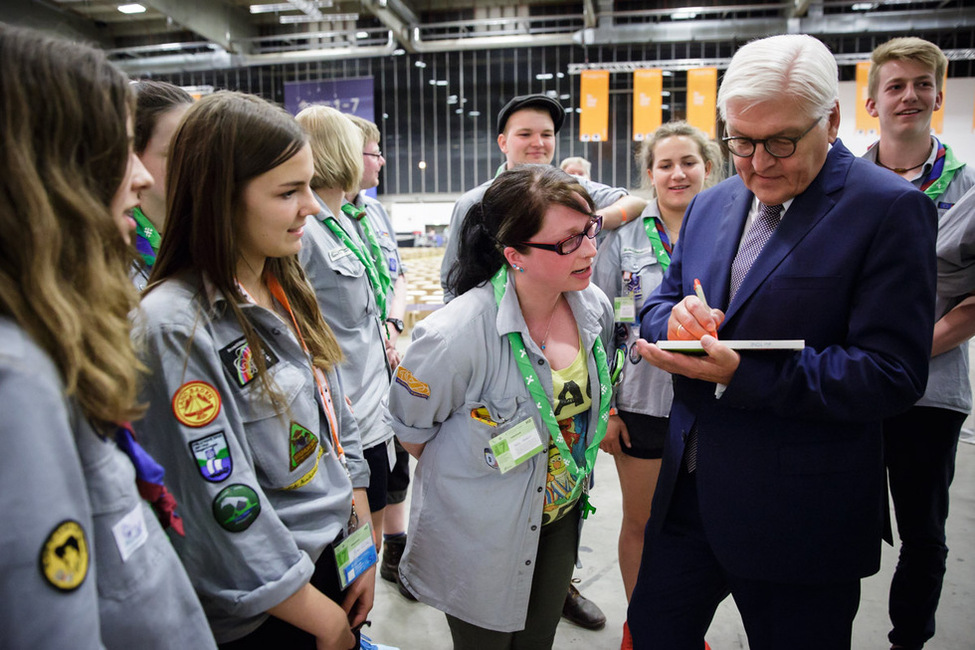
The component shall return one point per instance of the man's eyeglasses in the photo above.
(778, 147)
(571, 244)
(378, 154)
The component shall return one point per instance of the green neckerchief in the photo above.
(502, 168)
(358, 214)
(663, 257)
(544, 405)
(148, 232)
(952, 164)
(332, 224)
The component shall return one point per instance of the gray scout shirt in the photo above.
(602, 196)
(628, 266)
(349, 307)
(473, 531)
(948, 384)
(262, 493)
(382, 226)
(85, 563)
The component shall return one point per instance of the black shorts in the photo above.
(378, 476)
(399, 477)
(647, 435)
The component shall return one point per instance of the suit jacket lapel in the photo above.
(717, 280)
(804, 214)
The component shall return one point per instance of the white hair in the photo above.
(790, 66)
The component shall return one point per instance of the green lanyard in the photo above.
(367, 262)
(149, 233)
(663, 257)
(378, 257)
(544, 405)
(937, 188)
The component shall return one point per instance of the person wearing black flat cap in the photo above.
(527, 130)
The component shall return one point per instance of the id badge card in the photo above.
(624, 309)
(355, 554)
(516, 445)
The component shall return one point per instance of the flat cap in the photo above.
(538, 101)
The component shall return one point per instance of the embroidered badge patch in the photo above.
(236, 507)
(196, 404)
(236, 358)
(64, 556)
(212, 456)
(414, 386)
(302, 444)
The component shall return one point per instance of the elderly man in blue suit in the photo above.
(772, 487)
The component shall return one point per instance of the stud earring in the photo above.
(518, 268)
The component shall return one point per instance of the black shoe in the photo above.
(405, 592)
(392, 552)
(582, 611)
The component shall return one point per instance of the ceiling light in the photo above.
(328, 18)
(683, 14)
(544, 76)
(441, 82)
(432, 82)
(564, 96)
(474, 113)
(131, 9)
(864, 6)
(420, 64)
(399, 52)
(362, 34)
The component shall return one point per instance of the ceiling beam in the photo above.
(52, 19)
(220, 23)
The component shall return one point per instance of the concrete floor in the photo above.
(414, 626)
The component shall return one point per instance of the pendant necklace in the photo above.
(551, 318)
(900, 170)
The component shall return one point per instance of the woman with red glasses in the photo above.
(503, 396)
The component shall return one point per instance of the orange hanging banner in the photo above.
(647, 103)
(938, 117)
(865, 122)
(702, 94)
(594, 91)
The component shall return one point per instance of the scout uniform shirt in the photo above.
(85, 563)
(262, 494)
(948, 384)
(627, 266)
(474, 531)
(349, 307)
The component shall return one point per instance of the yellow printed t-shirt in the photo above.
(570, 386)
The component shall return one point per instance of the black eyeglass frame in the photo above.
(560, 247)
(378, 154)
(728, 140)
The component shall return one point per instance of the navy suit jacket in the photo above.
(790, 471)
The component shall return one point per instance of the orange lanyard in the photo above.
(320, 379)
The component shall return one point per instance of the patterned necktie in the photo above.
(753, 243)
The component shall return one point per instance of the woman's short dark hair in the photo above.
(510, 213)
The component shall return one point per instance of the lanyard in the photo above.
(658, 246)
(942, 172)
(544, 404)
(148, 233)
(374, 280)
(320, 379)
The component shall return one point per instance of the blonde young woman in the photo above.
(503, 396)
(85, 563)
(247, 410)
(678, 161)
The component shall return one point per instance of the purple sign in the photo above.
(353, 96)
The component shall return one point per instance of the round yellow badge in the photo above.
(64, 556)
(196, 404)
